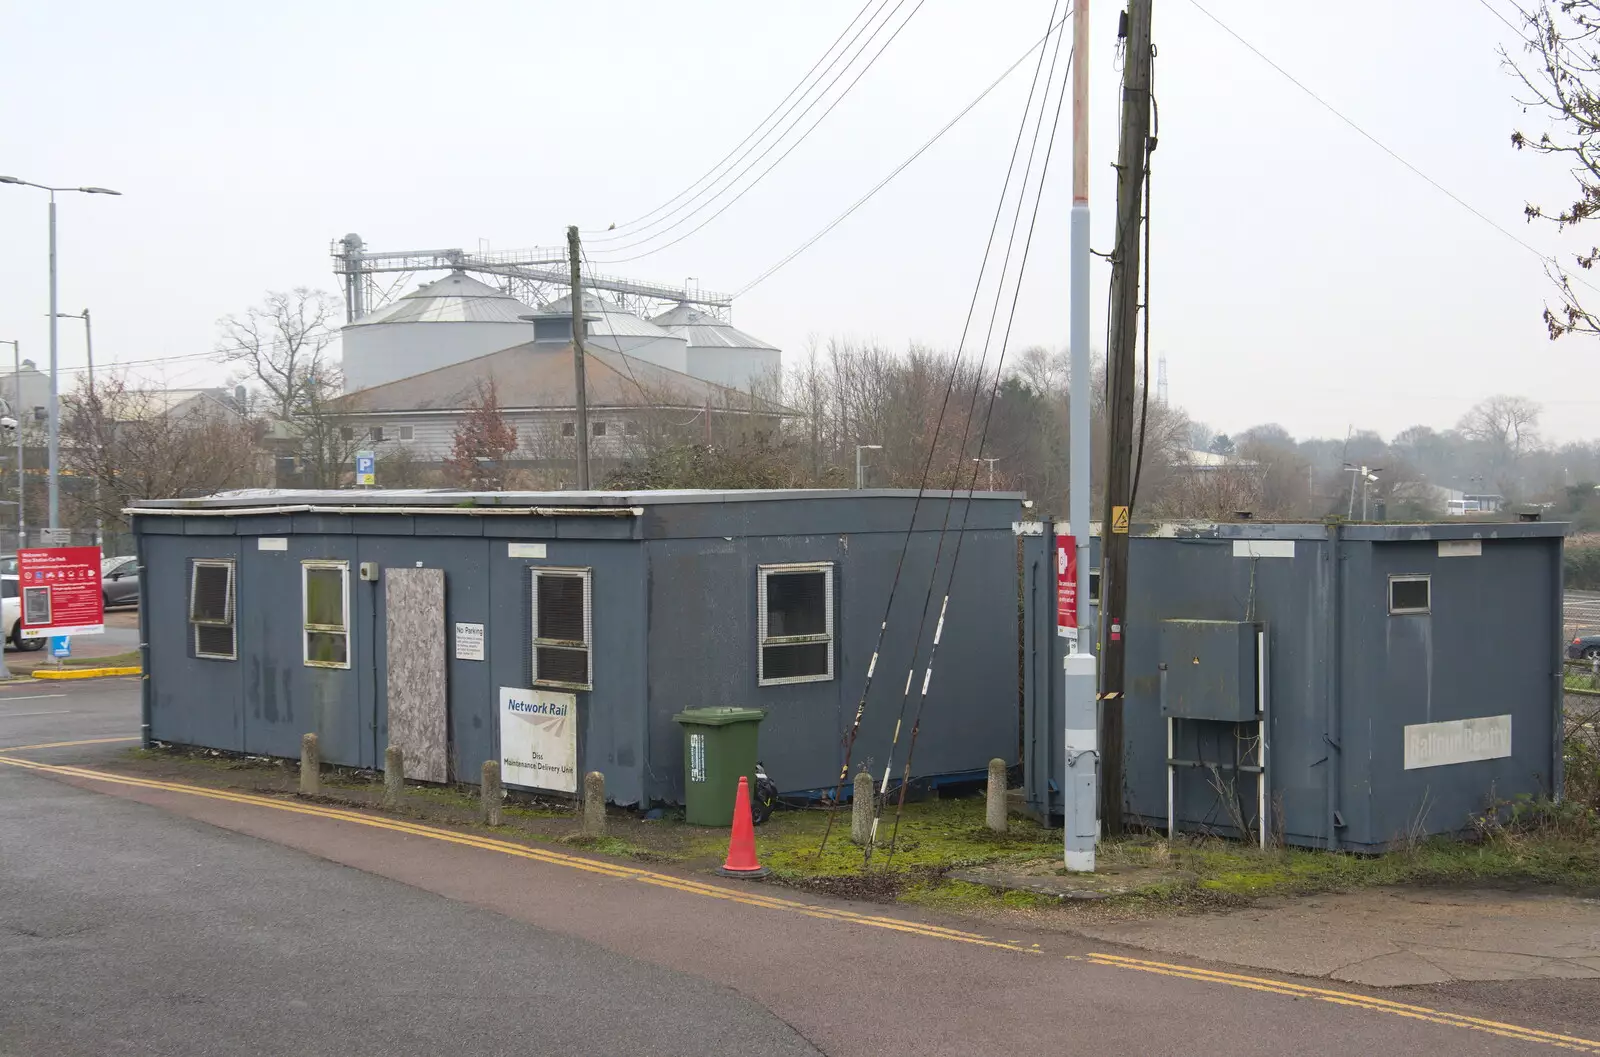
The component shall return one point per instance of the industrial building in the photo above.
(462, 316)
(1355, 685)
(560, 632)
(631, 402)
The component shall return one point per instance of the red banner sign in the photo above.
(1067, 587)
(61, 592)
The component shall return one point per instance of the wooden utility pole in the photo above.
(1131, 157)
(574, 253)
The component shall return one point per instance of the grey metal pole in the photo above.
(54, 409)
(1081, 721)
(573, 250)
(858, 467)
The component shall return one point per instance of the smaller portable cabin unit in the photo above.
(560, 632)
(1356, 685)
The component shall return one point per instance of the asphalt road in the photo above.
(128, 930)
(137, 917)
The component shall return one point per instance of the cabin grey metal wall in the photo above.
(674, 614)
(1391, 714)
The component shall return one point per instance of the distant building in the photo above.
(458, 318)
(629, 400)
(34, 391)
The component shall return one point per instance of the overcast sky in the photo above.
(1301, 275)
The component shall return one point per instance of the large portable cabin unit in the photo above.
(1406, 677)
(413, 617)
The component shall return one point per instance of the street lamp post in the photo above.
(16, 412)
(54, 411)
(94, 407)
(991, 461)
(859, 449)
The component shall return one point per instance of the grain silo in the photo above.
(718, 351)
(439, 323)
(610, 327)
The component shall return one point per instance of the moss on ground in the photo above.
(1524, 843)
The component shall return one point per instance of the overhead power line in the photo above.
(927, 467)
(779, 160)
(1435, 184)
(897, 170)
(621, 229)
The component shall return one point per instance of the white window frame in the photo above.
(231, 622)
(1410, 578)
(307, 628)
(377, 434)
(406, 434)
(587, 574)
(763, 640)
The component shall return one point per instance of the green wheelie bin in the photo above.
(719, 746)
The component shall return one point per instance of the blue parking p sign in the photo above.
(60, 645)
(366, 469)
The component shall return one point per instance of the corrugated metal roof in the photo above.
(702, 330)
(449, 497)
(531, 376)
(457, 298)
(604, 318)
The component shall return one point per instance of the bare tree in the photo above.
(134, 445)
(1560, 80)
(1509, 425)
(281, 346)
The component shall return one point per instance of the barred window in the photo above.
(212, 608)
(563, 628)
(794, 606)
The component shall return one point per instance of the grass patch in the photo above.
(934, 834)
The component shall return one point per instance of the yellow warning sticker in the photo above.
(1119, 519)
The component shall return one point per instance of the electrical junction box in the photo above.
(369, 571)
(1212, 670)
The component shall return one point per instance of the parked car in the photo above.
(8, 565)
(1584, 648)
(11, 616)
(119, 579)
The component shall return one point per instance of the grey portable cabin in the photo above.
(412, 617)
(1403, 675)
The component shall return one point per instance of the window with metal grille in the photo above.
(375, 433)
(347, 432)
(211, 609)
(407, 432)
(569, 429)
(1409, 594)
(563, 628)
(599, 429)
(794, 616)
(325, 593)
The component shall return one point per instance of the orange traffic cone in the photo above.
(742, 861)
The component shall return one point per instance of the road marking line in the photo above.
(25, 715)
(31, 697)
(1351, 998)
(614, 870)
(67, 744)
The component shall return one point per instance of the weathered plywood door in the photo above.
(414, 619)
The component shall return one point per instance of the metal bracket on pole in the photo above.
(1079, 790)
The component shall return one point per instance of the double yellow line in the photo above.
(755, 898)
(1347, 998)
(749, 897)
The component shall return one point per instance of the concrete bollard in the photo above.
(394, 776)
(995, 815)
(594, 804)
(492, 792)
(861, 809)
(310, 766)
